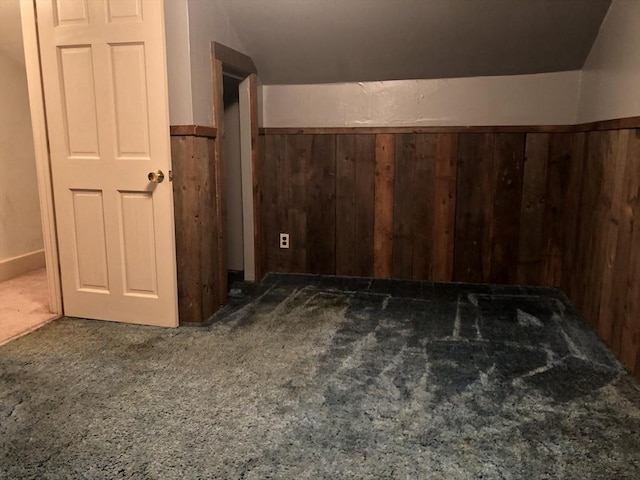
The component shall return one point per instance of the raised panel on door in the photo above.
(79, 101)
(90, 243)
(124, 10)
(138, 244)
(130, 101)
(71, 12)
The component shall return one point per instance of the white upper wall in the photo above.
(610, 86)
(208, 22)
(539, 99)
(176, 24)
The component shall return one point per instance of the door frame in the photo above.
(41, 148)
(230, 61)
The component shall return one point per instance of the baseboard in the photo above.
(13, 267)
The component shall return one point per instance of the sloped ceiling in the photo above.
(324, 41)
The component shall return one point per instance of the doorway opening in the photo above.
(232, 178)
(28, 296)
(235, 106)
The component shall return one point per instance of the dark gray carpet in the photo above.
(317, 377)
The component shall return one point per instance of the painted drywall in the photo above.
(233, 187)
(610, 84)
(20, 224)
(176, 22)
(539, 99)
(208, 22)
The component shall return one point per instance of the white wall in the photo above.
(610, 85)
(541, 99)
(208, 21)
(176, 21)
(232, 173)
(20, 225)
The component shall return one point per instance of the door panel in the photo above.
(105, 88)
(91, 246)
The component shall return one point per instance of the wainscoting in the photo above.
(555, 206)
(202, 277)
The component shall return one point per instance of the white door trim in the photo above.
(40, 141)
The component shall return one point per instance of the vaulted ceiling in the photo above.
(321, 41)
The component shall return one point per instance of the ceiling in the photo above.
(323, 41)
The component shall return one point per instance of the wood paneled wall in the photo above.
(467, 207)
(601, 265)
(509, 207)
(202, 277)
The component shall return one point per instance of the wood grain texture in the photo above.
(444, 216)
(601, 260)
(298, 158)
(553, 229)
(355, 172)
(405, 162)
(193, 130)
(383, 208)
(365, 204)
(473, 208)
(345, 204)
(321, 206)
(233, 61)
(532, 209)
(423, 193)
(256, 170)
(508, 159)
(196, 228)
(570, 214)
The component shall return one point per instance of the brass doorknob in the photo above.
(156, 176)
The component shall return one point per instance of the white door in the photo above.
(105, 88)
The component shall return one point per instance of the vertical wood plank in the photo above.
(592, 173)
(365, 204)
(383, 218)
(532, 208)
(596, 257)
(280, 261)
(403, 206)
(570, 213)
(614, 184)
(185, 211)
(507, 195)
(298, 157)
(558, 171)
(423, 208)
(196, 234)
(262, 247)
(444, 207)
(474, 198)
(321, 207)
(345, 204)
(625, 289)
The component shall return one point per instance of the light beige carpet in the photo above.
(24, 305)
